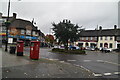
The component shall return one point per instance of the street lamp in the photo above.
(7, 26)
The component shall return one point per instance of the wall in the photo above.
(107, 41)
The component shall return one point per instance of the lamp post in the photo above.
(7, 25)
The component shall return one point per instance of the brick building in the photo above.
(20, 29)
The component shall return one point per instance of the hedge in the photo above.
(68, 51)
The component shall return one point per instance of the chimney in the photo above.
(0, 15)
(14, 15)
(100, 28)
(115, 26)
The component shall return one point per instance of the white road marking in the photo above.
(50, 59)
(71, 60)
(112, 63)
(108, 62)
(116, 72)
(53, 59)
(85, 68)
(99, 60)
(25, 73)
(76, 65)
(61, 61)
(86, 60)
(56, 59)
(67, 63)
(97, 75)
(107, 74)
(7, 71)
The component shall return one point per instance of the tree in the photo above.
(66, 31)
(49, 39)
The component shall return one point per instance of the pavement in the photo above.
(23, 67)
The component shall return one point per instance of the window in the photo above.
(86, 38)
(95, 38)
(33, 32)
(111, 38)
(105, 37)
(101, 44)
(91, 38)
(82, 38)
(28, 32)
(110, 45)
(118, 37)
(22, 31)
(101, 38)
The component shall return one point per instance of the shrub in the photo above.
(69, 51)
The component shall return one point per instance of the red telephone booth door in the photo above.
(20, 46)
(34, 50)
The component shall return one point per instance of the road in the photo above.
(102, 65)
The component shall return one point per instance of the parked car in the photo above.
(73, 47)
(106, 50)
(90, 48)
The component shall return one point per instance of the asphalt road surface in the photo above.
(102, 65)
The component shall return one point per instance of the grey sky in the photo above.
(89, 14)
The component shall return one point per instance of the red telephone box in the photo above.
(34, 49)
(20, 46)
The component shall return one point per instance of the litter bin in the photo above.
(12, 49)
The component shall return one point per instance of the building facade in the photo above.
(20, 29)
(109, 38)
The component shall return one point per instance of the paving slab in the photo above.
(23, 67)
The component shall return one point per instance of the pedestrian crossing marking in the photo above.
(71, 60)
(86, 60)
(107, 74)
(116, 72)
(97, 75)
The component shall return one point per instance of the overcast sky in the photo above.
(81, 12)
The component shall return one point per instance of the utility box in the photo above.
(20, 45)
(34, 49)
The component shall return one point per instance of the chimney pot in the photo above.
(100, 28)
(115, 26)
(14, 15)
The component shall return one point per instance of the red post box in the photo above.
(20, 46)
(34, 49)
